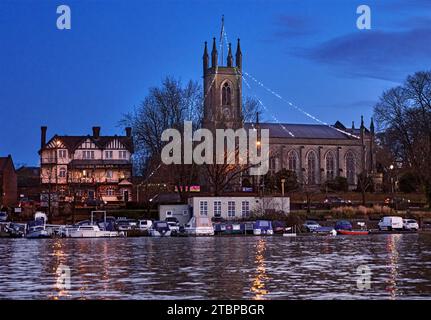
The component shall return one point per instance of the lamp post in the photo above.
(282, 187)
(282, 194)
(391, 168)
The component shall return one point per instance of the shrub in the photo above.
(337, 184)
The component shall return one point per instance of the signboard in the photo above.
(190, 188)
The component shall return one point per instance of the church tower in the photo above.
(222, 89)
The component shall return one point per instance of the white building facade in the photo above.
(231, 208)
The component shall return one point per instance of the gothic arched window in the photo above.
(226, 95)
(293, 161)
(350, 167)
(330, 166)
(311, 167)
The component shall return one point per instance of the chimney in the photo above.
(43, 136)
(96, 132)
(128, 132)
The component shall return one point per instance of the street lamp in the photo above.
(282, 186)
(391, 167)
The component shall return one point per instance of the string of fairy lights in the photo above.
(243, 75)
(289, 103)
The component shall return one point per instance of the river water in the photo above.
(357, 267)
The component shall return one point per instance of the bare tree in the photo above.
(404, 114)
(165, 107)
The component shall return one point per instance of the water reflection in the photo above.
(217, 268)
(259, 282)
(393, 255)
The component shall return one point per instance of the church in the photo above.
(315, 152)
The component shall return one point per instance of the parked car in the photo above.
(3, 216)
(311, 226)
(144, 224)
(343, 225)
(410, 224)
(391, 223)
(124, 225)
(398, 203)
(333, 201)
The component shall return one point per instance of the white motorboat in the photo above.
(160, 229)
(38, 231)
(199, 226)
(88, 231)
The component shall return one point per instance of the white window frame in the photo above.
(231, 209)
(203, 207)
(62, 153)
(217, 208)
(245, 208)
(61, 170)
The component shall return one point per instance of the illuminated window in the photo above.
(62, 173)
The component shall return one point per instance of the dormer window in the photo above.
(226, 94)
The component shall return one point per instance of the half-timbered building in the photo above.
(87, 169)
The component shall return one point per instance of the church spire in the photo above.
(372, 126)
(214, 54)
(205, 58)
(238, 56)
(229, 56)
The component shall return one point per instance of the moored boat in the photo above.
(263, 227)
(160, 229)
(37, 229)
(37, 232)
(199, 226)
(89, 231)
(353, 232)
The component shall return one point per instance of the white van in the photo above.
(391, 223)
(145, 224)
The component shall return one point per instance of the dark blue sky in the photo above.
(309, 51)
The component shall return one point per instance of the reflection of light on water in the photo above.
(60, 259)
(391, 245)
(258, 285)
